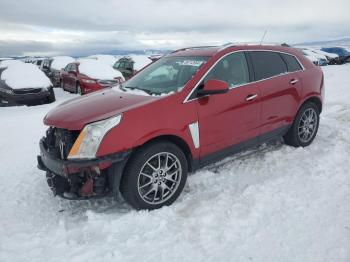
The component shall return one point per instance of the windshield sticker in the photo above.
(195, 63)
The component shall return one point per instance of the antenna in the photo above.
(262, 39)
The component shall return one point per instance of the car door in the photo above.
(280, 89)
(232, 118)
(64, 75)
(71, 77)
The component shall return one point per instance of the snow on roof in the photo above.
(107, 59)
(60, 62)
(6, 63)
(98, 70)
(140, 61)
(21, 75)
(312, 52)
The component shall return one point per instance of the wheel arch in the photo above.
(178, 141)
(314, 99)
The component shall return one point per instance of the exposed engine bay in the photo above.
(82, 183)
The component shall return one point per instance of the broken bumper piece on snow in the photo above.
(81, 179)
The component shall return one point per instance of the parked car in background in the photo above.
(344, 55)
(333, 59)
(38, 61)
(52, 67)
(316, 58)
(130, 65)
(88, 75)
(182, 112)
(126, 66)
(23, 84)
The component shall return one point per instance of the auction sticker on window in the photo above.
(191, 63)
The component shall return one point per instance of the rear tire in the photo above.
(154, 176)
(305, 126)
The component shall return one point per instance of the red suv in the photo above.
(189, 108)
(87, 76)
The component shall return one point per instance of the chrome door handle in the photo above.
(251, 97)
(293, 81)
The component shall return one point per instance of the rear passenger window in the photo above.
(232, 69)
(267, 64)
(292, 63)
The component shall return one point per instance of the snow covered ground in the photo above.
(276, 203)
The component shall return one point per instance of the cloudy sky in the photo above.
(39, 27)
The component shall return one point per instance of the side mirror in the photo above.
(212, 87)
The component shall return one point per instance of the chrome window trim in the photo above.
(244, 50)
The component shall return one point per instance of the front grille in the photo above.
(27, 91)
(60, 141)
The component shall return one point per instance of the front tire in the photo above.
(305, 126)
(155, 176)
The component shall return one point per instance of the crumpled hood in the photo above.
(76, 113)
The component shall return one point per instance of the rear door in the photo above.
(231, 118)
(279, 82)
(64, 75)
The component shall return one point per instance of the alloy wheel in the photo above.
(307, 125)
(159, 178)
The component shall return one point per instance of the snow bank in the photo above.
(60, 62)
(98, 70)
(106, 59)
(21, 75)
(274, 204)
(6, 63)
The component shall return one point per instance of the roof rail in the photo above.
(227, 45)
(193, 47)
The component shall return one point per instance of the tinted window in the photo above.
(67, 68)
(292, 63)
(73, 67)
(232, 69)
(267, 64)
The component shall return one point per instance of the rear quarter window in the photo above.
(292, 63)
(267, 64)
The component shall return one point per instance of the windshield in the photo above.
(166, 75)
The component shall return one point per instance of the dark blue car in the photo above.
(344, 55)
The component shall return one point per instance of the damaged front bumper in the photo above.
(82, 179)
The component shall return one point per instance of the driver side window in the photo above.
(232, 69)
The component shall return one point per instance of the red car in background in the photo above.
(182, 112)
(87, 76)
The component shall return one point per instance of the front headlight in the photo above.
(90, 138)
(89, 81)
